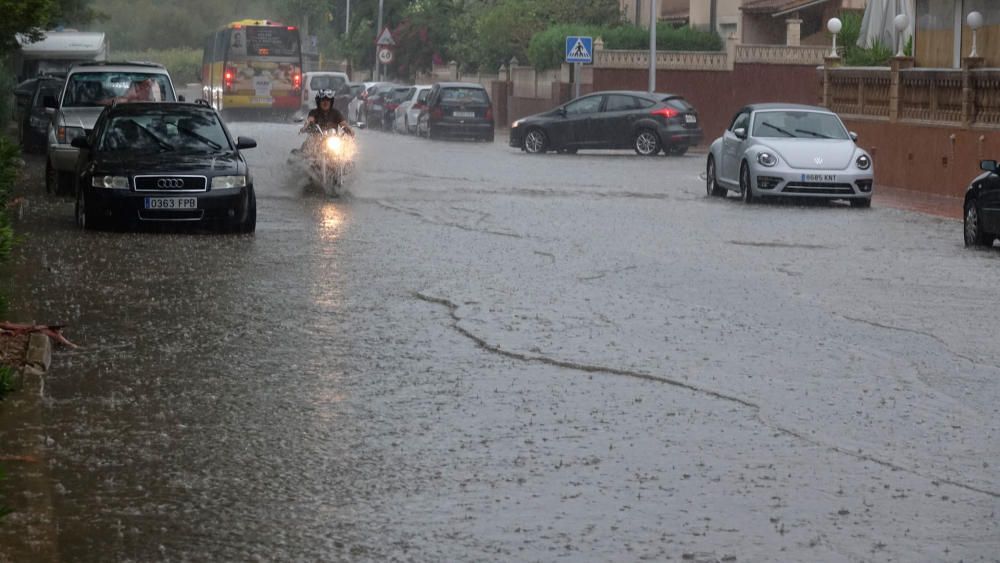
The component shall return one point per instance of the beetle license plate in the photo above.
(819, 178)
(172, 203)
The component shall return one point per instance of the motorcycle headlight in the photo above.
(110, 182)
(767, 159)
(227, 182)
(863, 162)
(65, 135)
(334, 145)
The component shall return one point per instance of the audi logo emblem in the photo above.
(170, 183)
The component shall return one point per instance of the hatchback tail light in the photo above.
(437, 113)
(666, 112)
(489, 114)
(419, 105)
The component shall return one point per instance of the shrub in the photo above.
(547, 48)
(10, 156)
(183, 64)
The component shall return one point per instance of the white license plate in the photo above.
(464, 114)
(170, 203)
(819, 178)
(261, 100)
(690, 118)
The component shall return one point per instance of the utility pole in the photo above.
(652, 45)
(347, 20)
(378, 31)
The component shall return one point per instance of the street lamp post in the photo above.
(378, 31)
(652, 45)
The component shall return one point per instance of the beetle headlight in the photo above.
(110, 182)
(226, 182)
(767, 159)
(863, 162)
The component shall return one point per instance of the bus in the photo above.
(253, 65)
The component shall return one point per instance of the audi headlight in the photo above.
(65, 135)
(767, 159)
(516, 124)
(228, 182)
(110, 182)
(863, 162)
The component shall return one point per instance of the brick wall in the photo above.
(718, 95)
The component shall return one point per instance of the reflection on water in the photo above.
(331, 220)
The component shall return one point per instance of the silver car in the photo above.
(89, 88)
(789, 150)
(408, 112)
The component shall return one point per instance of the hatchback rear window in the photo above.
(678, 103)
(465, 95)
(326, 82)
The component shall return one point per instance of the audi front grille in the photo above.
(171, 183)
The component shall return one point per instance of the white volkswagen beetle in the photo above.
(789, 150)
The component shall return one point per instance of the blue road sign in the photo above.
(579, 49)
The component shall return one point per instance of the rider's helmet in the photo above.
(325, 94)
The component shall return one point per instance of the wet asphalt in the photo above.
(482, 355)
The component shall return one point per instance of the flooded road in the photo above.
(482, 355)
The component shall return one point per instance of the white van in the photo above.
(313, 82)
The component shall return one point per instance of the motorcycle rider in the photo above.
(325, 115)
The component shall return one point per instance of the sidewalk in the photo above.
(937, 205)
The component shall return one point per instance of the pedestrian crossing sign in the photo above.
(579, 49)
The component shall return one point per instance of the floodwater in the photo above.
(483, 355)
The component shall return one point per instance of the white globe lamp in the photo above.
(975, 21)
(834, 26)
(900, 22)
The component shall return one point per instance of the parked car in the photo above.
(163, 162)
(31, 118)
(89, 88)
(345, 95)
(313, 82)
(456, 109)
(408, 112)
(789, 150)
(982, 206)
(356, 107)
(645, 122)
(377, 105)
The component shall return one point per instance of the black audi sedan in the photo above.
(645, 122)
(982, 206)
(163, 162)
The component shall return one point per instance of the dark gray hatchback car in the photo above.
(643, 121)
(457, 110)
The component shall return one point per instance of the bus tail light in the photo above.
(297, 80)
(228, 76)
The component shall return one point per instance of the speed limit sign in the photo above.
(385, 56)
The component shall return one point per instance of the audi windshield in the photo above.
(152, 132)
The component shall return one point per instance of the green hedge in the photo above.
(547, 48)
(183, 64)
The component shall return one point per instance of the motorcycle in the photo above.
(329, 157)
